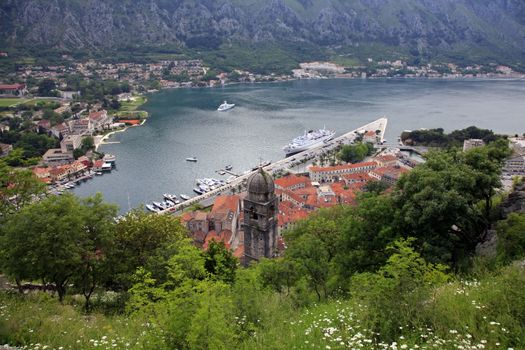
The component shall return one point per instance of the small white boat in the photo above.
(159, 205)
(228, 167)
(185, 197)
(170, 196)
(191, 159)
(221, 172)
(197, 190)
(225, 106)
(152, 208)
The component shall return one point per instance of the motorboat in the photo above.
(170, 196)
(191, 159)
(159, 205)
(185, 196)
(152, 208)
(225, 106)
(197, 190)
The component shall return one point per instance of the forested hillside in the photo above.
(430, 28)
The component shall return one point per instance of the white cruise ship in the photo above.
(308, 140)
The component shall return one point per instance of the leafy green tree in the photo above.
(213, 324)
(439, 202)
(354, 153)
(97, 242)
(57, 241)
(145, 240)
(366, 231)
(307, 251)
(279, 274)
(35, 145)
(393, 296)
(47, 87)
(376, 187)
(511, 238)
(17, 189)
(219, 262)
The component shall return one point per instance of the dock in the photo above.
(283, 164)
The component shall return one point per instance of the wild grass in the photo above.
(483, 313)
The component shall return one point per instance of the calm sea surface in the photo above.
(185, 123)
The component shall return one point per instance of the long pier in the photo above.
(379, 124)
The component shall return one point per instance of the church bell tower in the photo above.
(260, 217)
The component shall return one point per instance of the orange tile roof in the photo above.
(291, 180)
(39, 172)
(97, 115)
(342, 167)
(357, 176)
(223, 204)
(187, 217)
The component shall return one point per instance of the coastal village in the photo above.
(80, 124)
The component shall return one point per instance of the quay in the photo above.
(207, 198)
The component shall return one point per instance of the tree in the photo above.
(511, 238)
(96, 243)
(219, 262)
(58, 240)
(213, 324)
(393, 295)
(354, 153)
(439, 202)
(145, 240)
(17, 189)
(376, 187)
(46, 87)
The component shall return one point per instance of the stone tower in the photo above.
(260, 217)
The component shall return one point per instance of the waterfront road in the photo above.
(285, 164)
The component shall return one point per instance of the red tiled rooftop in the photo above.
(291, 180)
(342, 167)
(223, 204)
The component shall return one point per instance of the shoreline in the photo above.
(100, 141)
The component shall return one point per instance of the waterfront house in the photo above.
(55, 156)
(60, 131)
(100, 120)
(70, 143)
(82, 126)
(43, 174)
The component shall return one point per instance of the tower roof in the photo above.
(260, 182)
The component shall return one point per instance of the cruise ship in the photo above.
(308, 140)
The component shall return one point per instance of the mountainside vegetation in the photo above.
(398, 270)
(461, 31)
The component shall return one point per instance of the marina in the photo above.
(286, 164)
(151, 159)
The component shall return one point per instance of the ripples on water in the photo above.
(184, 123)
